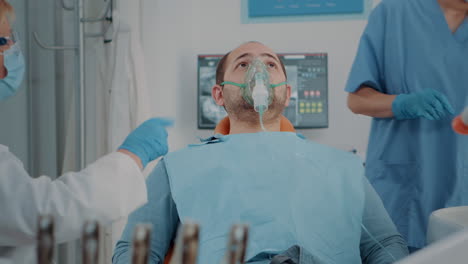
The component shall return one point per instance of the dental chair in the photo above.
(447, 238)
(446, 221)
(223, 128)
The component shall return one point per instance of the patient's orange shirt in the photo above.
(224, 126)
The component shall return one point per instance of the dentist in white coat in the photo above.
(106, 190)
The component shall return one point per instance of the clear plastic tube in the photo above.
(378, 243)
(260, 114)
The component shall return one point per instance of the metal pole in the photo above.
(31, 148)
(81, 84)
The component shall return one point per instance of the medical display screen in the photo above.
(307, 74)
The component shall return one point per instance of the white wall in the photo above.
(174, 32)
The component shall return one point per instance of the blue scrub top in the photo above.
(417, 166)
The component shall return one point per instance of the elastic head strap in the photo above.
(241, 85)
(279, 84)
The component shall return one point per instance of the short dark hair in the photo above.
(220, 69)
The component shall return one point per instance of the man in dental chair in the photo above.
(257, 170)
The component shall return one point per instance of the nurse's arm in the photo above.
(379, 227)
(370, 102)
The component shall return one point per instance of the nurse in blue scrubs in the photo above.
(411, 75)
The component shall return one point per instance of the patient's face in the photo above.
(239, 59)
(236, 66)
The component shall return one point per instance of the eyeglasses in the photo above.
(8, 39)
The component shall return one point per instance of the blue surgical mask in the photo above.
(13, 61)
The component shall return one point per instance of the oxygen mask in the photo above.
(257, 89)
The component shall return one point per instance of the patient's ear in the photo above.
(217, 94)
(288, 95)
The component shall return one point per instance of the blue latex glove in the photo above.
(149, 140)
(429, 104)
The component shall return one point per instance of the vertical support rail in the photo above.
(80, 82)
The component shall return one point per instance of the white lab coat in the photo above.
(129, 92)
(106, 190)
(129, 98)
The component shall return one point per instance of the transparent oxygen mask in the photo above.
(258, 83)
(257, 80)
(257, 89)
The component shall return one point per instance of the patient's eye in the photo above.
(271, 65)
(243, 65)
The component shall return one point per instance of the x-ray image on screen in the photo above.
(209, 113)
(307, 74)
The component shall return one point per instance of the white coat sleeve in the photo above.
(106, 190)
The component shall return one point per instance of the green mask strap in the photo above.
(279, 84)
(243, 85)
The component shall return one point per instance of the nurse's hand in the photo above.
(149, 140)
(428, 103)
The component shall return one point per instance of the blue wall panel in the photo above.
(269, 8)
